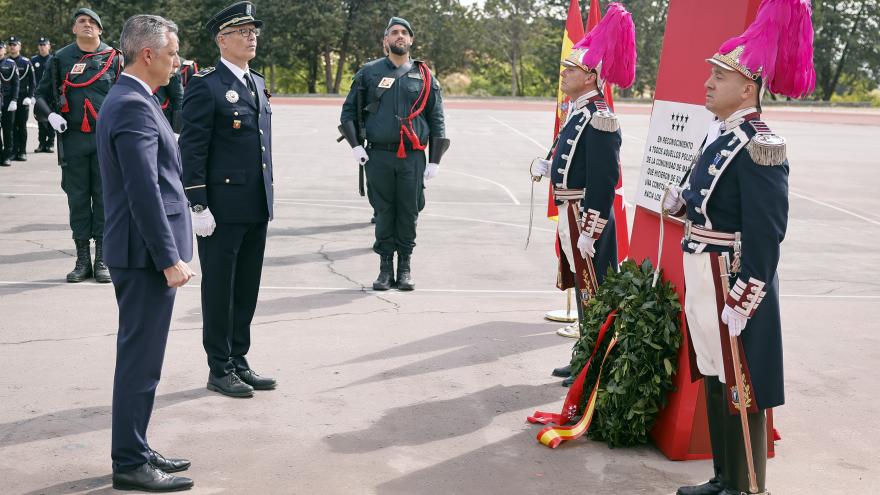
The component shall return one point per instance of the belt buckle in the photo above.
(687, 230)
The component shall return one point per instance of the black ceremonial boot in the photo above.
(386, 273)
(404, 276)
(102, 274)
(83, 268)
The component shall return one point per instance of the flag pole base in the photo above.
(562, 316)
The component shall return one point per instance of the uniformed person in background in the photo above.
(585, 166)
(69, 97)
(170, 99)
(27, 85)
(395, 104)
(226, 150)
(8, 103)
(187, 69)
(46, 135)
(735, 206)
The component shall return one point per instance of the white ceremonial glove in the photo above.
(58, 123)
(13, 106)
(586, 245)
(673, 200)
(735, 322)
(431, 171)
(541, 168)
(360, 155)
(28, 101)
(203, 223)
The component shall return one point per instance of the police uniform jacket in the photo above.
(585, 166)
(226, 146)
(380, 116)
(9, 83)
(27, 84)
(40, 63)
(739, 184)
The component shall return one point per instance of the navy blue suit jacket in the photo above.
(147, 220)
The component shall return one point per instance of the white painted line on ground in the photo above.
(448, 217)
(437, 290)
(49, 195)
(836, 208)
(514, 129)
(490, 181)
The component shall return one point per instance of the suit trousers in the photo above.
(145, 303)
(232, 262)
(81, 180)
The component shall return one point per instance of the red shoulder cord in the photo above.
(406, 128)
(88, 108)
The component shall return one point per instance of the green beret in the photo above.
(89, 12)
(401, 21)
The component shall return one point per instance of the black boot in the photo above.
(386, 273)
(562, 371)
(404, 277)
(716, 409)
(83, 268)
(102, 274)
(20, 157)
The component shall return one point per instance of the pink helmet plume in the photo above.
(612, 44)
(777, 47)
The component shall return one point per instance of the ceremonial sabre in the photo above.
(536, 178)
(741, 396)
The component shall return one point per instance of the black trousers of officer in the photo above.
(19, 131)
(145, 303)
(46, 135)
(232, 262)
(81, 180)
(397, 195)
(728, 449)
(8, 123)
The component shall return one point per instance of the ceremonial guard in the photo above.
(8, 103)
(735, 206)
(170, 99)
(226, 149)
(395, 105)
(188, 68)
(69, 97)
(40, 61)
(585, 166)
(27, 85)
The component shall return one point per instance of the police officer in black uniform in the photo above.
(69, 97)
(40, 61)
(226, 150)
(8, 103)
(27, 85)
(395, 104)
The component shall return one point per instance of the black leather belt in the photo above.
(388, 146)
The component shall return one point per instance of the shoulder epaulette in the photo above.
(603, 119)
(187, 62)
(204, 72)
(257, 73)
(766, 148)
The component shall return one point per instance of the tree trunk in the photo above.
(328, 70)
(832, 83)
(346, 40)
(272, 88)
(312, 79)
(513, 75)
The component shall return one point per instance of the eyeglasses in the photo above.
(244, 32)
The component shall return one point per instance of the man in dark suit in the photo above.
(149, 240)
(226, 149)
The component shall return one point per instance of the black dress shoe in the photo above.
(562, 372)
(168, 465)
(230, 385)
(711, 487)
(50, 149)
(148, 478)
(21, 157)
(256, 381)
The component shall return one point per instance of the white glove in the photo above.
(586, 245)
(58, 123)
(541, 168)
(28, 101)
(13, 106)
(203, 223)
(360, 155)
(735, 322)
(431, 171)
(673, 200)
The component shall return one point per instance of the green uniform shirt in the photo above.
(383, 125)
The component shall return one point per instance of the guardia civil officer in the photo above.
(735, 206)
(226, 148)
(27, 85)
(395, 104)
(69, 97)
(8, 103)
(188, 68)
(170, 98)
(585, 167)
(46, 135)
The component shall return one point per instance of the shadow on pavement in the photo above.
(38, 227)
(293, 304)
(298, 259)
(317, 229)
(92, 486)
(8, 259)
